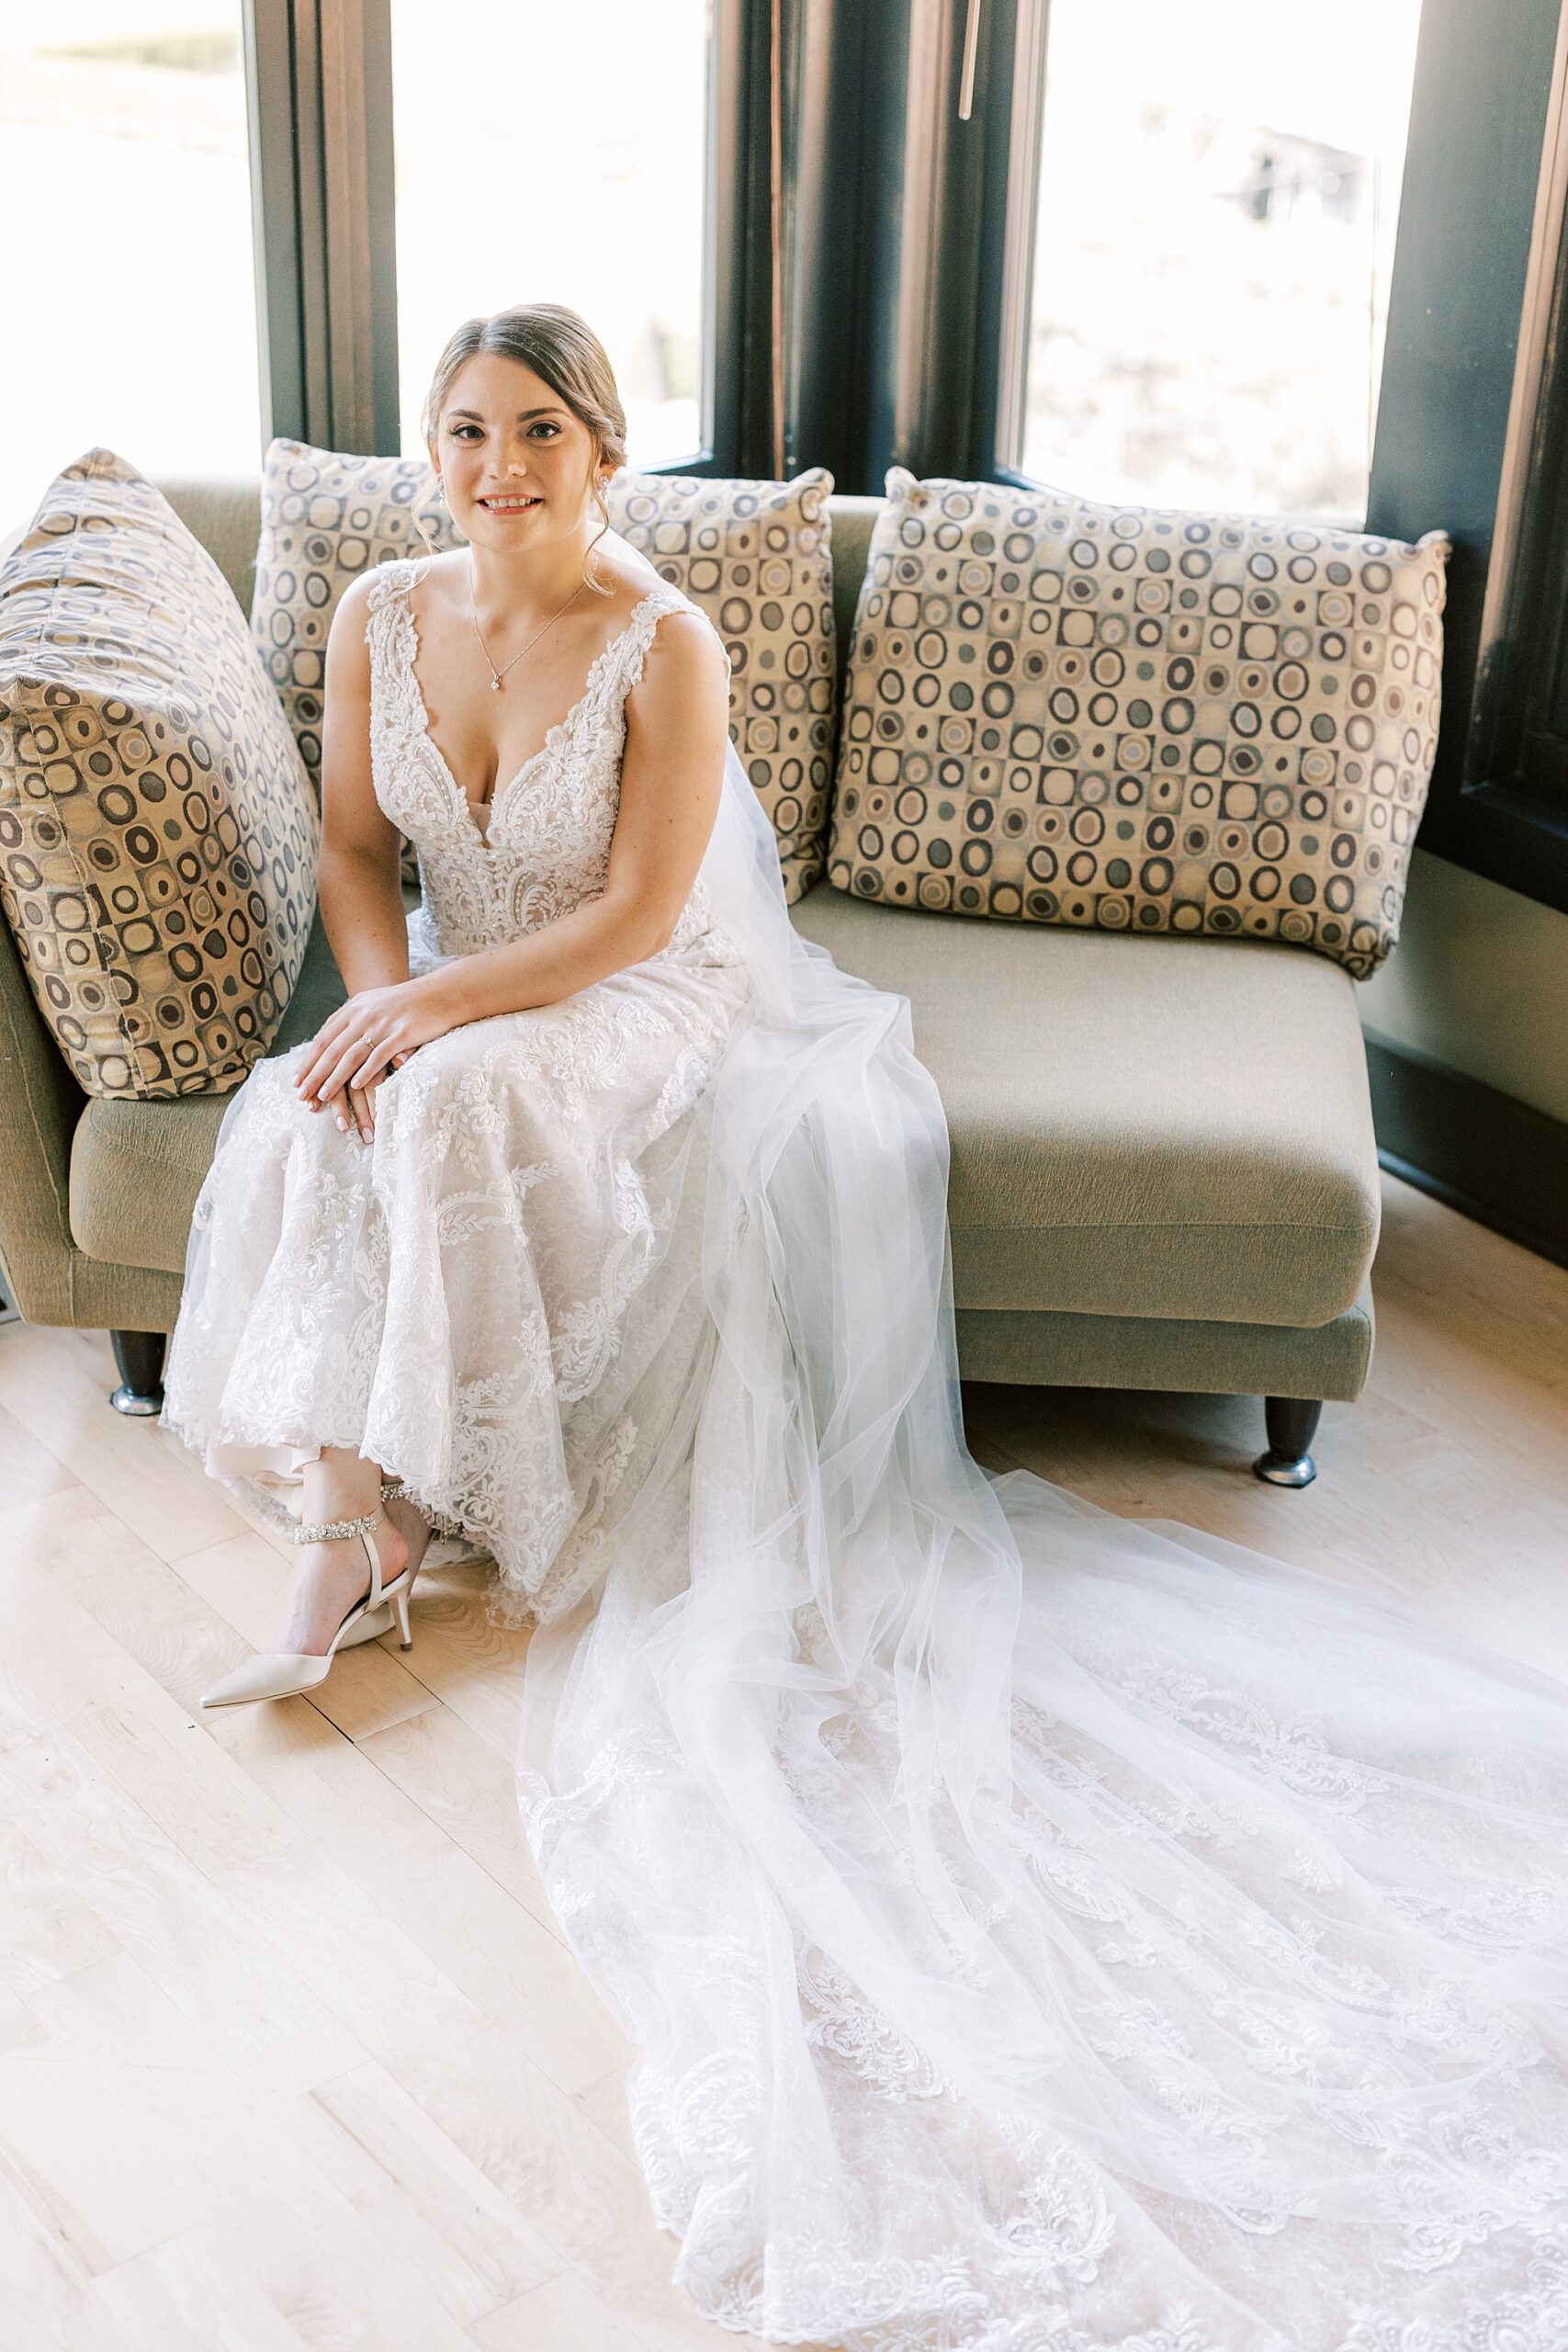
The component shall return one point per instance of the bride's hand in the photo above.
(371, 1034)
(354, 1106)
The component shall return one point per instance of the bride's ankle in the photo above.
(338, 1485)
(332, 1501)
(330, 1575)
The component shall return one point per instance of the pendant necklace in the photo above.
(496, 675)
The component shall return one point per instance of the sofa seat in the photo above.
(1141, 1126)
(136, 1168)
(1150, 1127)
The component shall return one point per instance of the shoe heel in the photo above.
(401, 1603)
(375, 1623)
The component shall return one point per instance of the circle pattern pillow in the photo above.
(1138, 718)
(324, 519)
(159, 840)
(755, 555)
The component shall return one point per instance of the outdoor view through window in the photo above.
(123, 152)
(531, 164)
(557, 154)
(1219, 191)
(1219, 194)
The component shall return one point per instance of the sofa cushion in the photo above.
(757, 556)
(1153, 1127)
(1129, 717)
(327, 517)
(136, 1168)
(158, 836)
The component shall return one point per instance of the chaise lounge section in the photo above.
(1164, 1175)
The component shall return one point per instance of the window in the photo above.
(1218, 192)
(123, 150)
(558, 155)
(1502, 808)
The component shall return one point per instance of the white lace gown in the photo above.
(1041, 1931)
(452, 1298)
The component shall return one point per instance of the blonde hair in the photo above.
(564, 352)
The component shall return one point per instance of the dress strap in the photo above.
(391, 579)
(665, 598)
(387, 603)
(396, 711)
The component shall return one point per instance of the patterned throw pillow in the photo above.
(159, 840)
(1138, 718)
(754, 555)
(757, 556)
(325, 519)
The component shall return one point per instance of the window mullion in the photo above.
(320, 96)
(952, 241)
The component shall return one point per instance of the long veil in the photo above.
(1041, 1931)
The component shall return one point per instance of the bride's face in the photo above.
(504, 438)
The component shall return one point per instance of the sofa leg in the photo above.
(139, 1356)
(1290, 1421)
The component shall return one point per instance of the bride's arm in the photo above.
(672, 777)
(357, 881)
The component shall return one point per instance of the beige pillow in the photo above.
(1139, 718)
(755, 556)
(324, 519)
(158, 836)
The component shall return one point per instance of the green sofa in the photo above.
(1163, 1175)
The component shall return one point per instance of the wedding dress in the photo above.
(1041, 1931)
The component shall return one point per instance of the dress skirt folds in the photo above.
(491, 1297)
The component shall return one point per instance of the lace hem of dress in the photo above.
(945, 2301)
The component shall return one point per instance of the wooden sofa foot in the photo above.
(139, 1355)
(1290, 1421)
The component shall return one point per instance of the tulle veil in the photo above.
(1041, 1931)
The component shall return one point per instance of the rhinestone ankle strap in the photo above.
(327, 1531)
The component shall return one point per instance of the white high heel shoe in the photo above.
(283, 1674)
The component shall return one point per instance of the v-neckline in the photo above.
(555, 734)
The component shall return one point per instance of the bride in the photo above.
(1041, 1931)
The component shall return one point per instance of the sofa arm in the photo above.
(42, 1104)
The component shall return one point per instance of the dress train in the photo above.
(1040, 1931)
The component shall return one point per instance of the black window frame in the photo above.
(868, 259)
(1499, 804)
(318, 76)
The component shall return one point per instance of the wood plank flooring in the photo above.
(292, 2053)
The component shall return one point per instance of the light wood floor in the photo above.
(292, 2054)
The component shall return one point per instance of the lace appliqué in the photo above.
(455, 1298)
(546, 847)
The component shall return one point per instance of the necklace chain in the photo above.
(496, 675)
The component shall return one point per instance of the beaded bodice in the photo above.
(547, 845)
